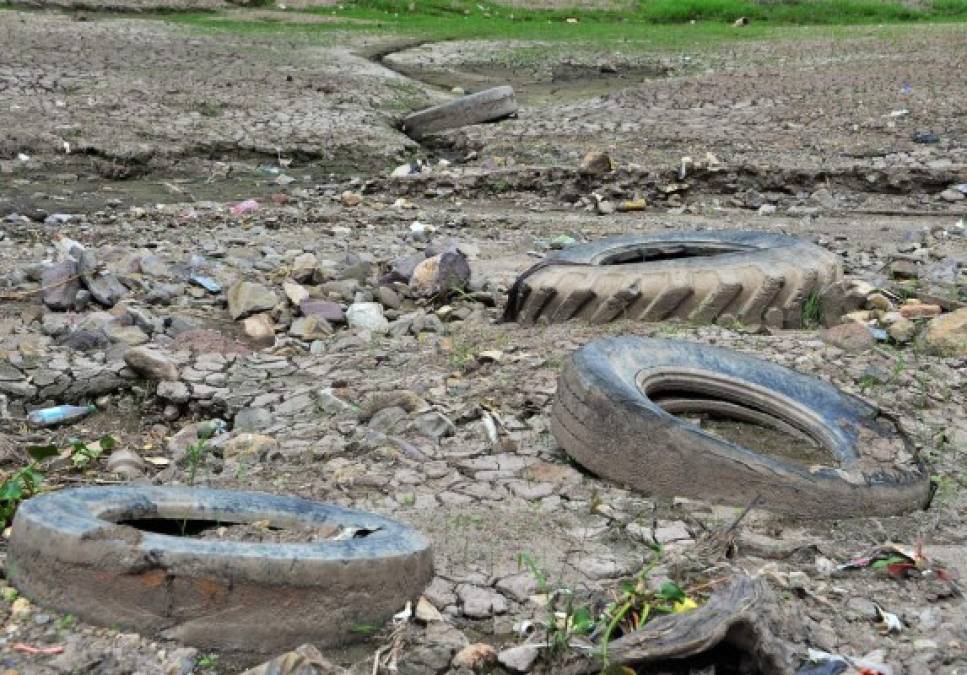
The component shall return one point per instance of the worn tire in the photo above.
(67, 552)
(751, 277)
(608, 418)
(484, 106)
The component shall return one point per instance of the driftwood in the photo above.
(739, 612)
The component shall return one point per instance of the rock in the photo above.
(388, 297)
(357, 268)
(324, 309)
(879, 301)
(304, 267)
(176, 392)
(153, 266)
(902, 330)
(596, 163)
(952, 196)
(434, 425)
(919, 310)
(260, 328)
(310, 328)
(246, 298)
(350, 199)
(441, 274)
(519, 659)
(303, 660)
(475, 656)
(103, 285)
(947, 334)
(255, 446)
(129, 335)
(207, 341)
(151, 363)
(252, 419)
(401, 269)
(426, 612)
(296, 293)
(126, 462)
(862, 607)
(368, 316)
(60, 284)
(904, 269)
(852, 337)
(480, 603)
(842, 298)
(518, 586)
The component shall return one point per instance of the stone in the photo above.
(851, 337)
(310, 328)
(296, 293)
(252, 419)
(919, 310)
(475, 656)
(904, 269)
(60, 284)
(952, 195)
(480, 603)
(388, 297)
(519, 659)
(207, 341)
(862, 607)
(104, 286)
(325, 309)
(303, 660)
(441, 274)
(304, 267)
(254, 446)
(126, 462)
(368, 316)
(879, 301)
(401, 269)
(426, 612)
(841, 298)
(902, 330)
(153, 266)
(350, 199)
(176, 392)
(151, 363)
(260, 328)
(129, 335)
(596, 163)
(518, 586)
(246, 298)
(946, 334)
(434, 425)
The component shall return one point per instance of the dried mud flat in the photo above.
(443, 421)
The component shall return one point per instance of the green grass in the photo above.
(647, 22)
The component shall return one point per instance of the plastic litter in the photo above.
(247, 206)
(925, 137)
(48, 417)
(207, 283)
(865, 664)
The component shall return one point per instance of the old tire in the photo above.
(484, 106)
(702, 277)
(610, 416)
(67, 552)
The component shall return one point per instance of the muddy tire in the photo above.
(70, 551)
(484, 106)
(613, 414)
(700, 277)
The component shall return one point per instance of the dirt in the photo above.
(169, 125)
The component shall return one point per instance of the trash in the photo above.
(28, 649)
(865, 665)
(898, 562)
(304, 660)
(61, 414)
(740, 22)
(633, 205)
(925, 137)
(898, 113)
(416, 166)
(247, 206)
(417, 227)
(891, 622)
(404, 615)
(22, 157)
(207, 283)
(561, 241)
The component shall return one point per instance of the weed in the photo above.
(82, 454)
(812, 309)
(23, 483)
(207, 662)
(866, 383)
(10, 594)
(208, 108)
(66, 622)
(364, 629)
(195, 455)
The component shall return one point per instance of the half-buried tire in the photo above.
(483, 106)
(96, 553)
(614, 414)
(754, 278)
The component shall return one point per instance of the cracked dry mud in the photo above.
(168, 126)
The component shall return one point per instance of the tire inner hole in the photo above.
(741, 420)
(252, 531)
(639, 253)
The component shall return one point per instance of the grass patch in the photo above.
(647, 22)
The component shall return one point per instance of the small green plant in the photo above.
(207, 662)
(23, 483)
(812, 310)
(364, 629)
(10, 594)
(196, 454)
(866, 383)
(82, 454)
(66, 622)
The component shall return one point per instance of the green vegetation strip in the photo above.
(684, 23)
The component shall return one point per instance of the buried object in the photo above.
(703, 277)
(836, 456)
(484, 106)
(97, 553)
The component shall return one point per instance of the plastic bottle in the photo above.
(48, 417)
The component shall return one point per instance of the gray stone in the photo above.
(480, 603)
(104, 286)
(368, 316)
(518, 586)
(862, 607)
(129, 335)
(252, 419)
(435, 425)
(519, 659)
(324, 309)
(310, 328)
(176, 392)
(246, 298)
(151, 363)
(260, 328)
(304, 267)
(388, 420)
(60, 284)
